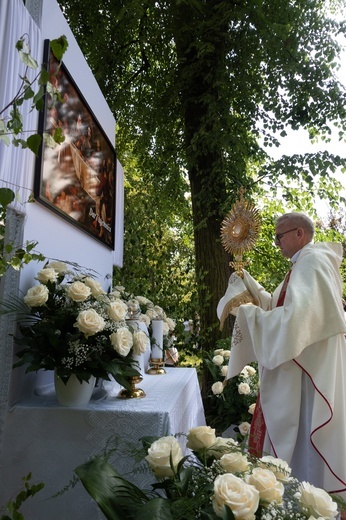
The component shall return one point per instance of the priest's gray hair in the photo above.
(298, 219)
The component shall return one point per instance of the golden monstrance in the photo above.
(240, 230)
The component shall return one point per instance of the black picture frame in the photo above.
(76, 179)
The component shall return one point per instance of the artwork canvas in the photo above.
(76, 179)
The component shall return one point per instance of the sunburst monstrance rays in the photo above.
(240, 229)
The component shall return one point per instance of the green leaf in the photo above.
(113, 494)
(29, 93)
(227, 514)
(48, 140)
(59, 47)
(44, 77)
(6, 196)
(59, 136)
(34, 142)
(39, 95)
(155, 509)
(28, 60)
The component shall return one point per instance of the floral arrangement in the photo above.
(218, 479)
(232, 403)
(145, 310)
(69, 324)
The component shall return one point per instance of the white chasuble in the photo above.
(301, 351)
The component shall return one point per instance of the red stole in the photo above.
(258, 425)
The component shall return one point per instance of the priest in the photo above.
(297, 337)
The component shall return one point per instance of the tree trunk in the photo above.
(200, 41)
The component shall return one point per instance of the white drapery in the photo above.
(15, 163)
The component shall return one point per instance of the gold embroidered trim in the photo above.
(240, 299)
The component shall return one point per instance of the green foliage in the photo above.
(102, 482)
(197, 87)
(13, 506)
(158, 243)
(202, 485)
(229, 407)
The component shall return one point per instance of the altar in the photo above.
(49, 441)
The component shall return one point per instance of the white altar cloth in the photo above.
(49, 440)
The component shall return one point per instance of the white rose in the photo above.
(117, 310)
(142, 300)
(226, 353)
(241, 498)
(221, 446)
(114, 295)
(159, 310)
(140, 342)
(89, 322)
(218, 360)
(47, 274)
(59, 267)
(162, 453)
(250, 370)
(244, 428)
(244, 388)
(316, 502)
(122, 341)
(217, 388)
(200, 437)
(151, 313)
(234, 462)
(218, 351)
(269, 488)
(119, 288)
(78, 291)
(251, 408)
(244, 373)
(95, 286)
(165, 329)
(145, 319)
(36, 296)
(279, 467)
(171, 323)
(224, 370)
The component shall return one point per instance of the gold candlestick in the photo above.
(133, 393)
(156, 367)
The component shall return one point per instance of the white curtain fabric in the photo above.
(16, 164)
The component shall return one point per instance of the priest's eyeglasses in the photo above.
(279, 236)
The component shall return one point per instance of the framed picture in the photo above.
(76, 179)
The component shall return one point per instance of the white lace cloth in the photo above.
(49, 440)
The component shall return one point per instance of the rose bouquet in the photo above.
(232, 403)
(218, 479)
(146, 311)
(69, 324)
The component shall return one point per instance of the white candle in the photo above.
(157, 336)
(134, 324)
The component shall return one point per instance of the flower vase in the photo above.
(74, 393)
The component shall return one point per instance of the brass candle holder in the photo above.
(133, 392)
(156, 367)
